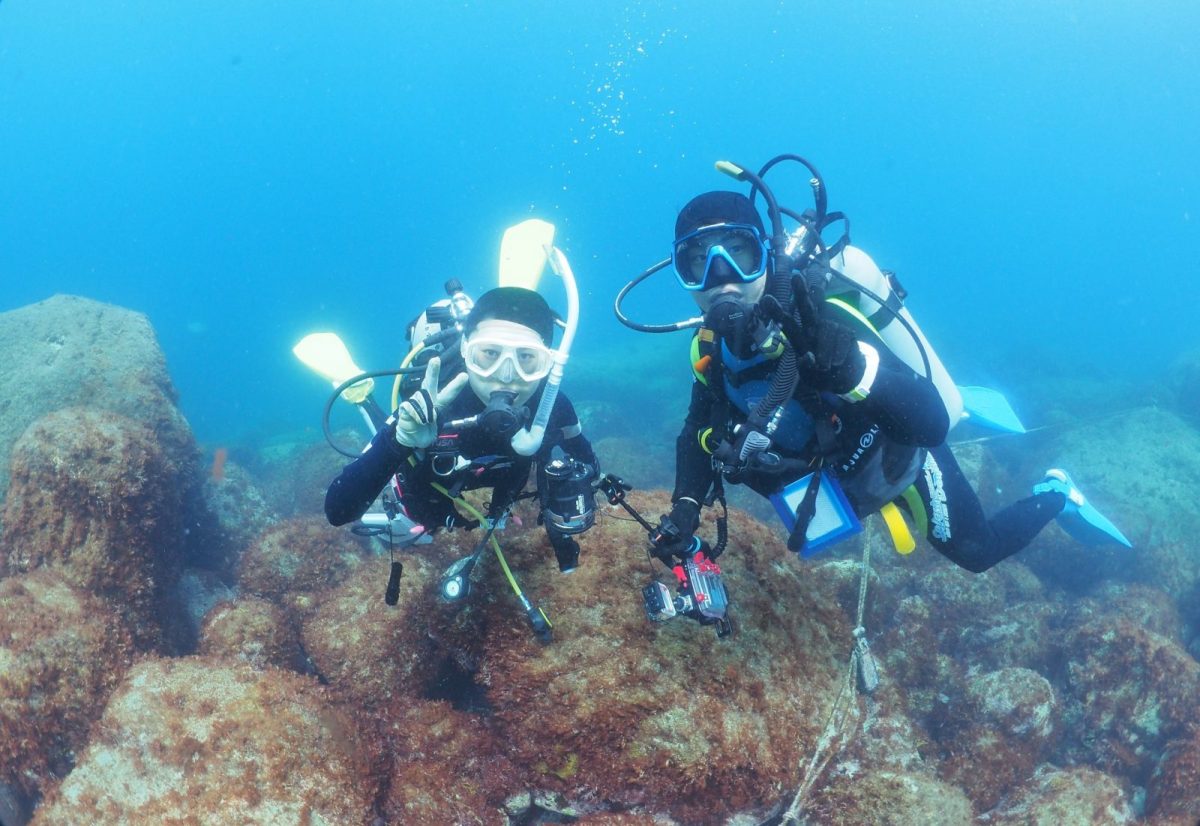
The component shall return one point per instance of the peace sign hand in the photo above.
(417, 417)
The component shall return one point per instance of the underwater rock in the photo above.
(197, 591)
(1007, 725)
(95, 496)
(1064, 797)
(448, 768)
(1174, 789)
(366, 650)
(239, 515)
(663, 717)
(1024, 634)
(68, 351)
(1147, 607)
(1137, 691)
(886, 740)
(62, 651)
(888, 797)
(842, 579)
(252, 630)
(296, 559)
(201, 740)
(958, 597)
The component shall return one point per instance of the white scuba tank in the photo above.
(860, 269)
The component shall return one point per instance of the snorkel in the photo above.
(527, 442)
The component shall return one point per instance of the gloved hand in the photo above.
(417, 416)
(830, 357)
(675, 531)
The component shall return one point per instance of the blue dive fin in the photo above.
(1079, 517)
(989, 408)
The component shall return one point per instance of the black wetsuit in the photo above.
(875, 448)
(491, 462)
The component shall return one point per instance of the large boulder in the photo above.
(96, 495)
(73, 352)
(197, 740)
(62, 651)
(625, 711)
(1136, 691)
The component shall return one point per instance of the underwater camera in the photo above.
(701, 594)
(569, 499)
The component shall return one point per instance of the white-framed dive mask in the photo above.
(504, 355)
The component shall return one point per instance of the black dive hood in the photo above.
(789, 253)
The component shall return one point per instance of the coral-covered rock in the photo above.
(74, 352)
(62, 652)
(296, 559)
(842, 578)
(885, 739)
(251, 629)
(448, 767)
(1174, 788)
(1009, 721)
(1136, 689)
(197, 740)
(664, 717)
(888, 797)
(368, 651)
(1142, 605)
(911, 655)
(1064, 797)
(1024, 634)
(94, 495)
(958, 597)
(239, 515)
(197, 591)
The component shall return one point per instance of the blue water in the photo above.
(245, 173)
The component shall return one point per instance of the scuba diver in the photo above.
(442, 441)
(814, 387)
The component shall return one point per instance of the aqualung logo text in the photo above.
(864, 444)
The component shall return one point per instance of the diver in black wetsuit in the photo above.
(795, 393)
(464, 441)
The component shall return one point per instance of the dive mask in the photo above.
(507, 357)
(720, 254)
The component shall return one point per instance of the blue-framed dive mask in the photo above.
(720, 254)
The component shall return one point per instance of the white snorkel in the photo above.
(526, 442)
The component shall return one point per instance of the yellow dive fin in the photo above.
(326, 355)
(523, 253)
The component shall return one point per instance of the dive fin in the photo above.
(989, 408)
(326, 355)
(523, 253)
(1079, 517)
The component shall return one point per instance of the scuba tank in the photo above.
(860, 283)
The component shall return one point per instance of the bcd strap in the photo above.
(805, 512)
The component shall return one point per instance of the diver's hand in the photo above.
(675, 532)
(833, 359)
(417, 417)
